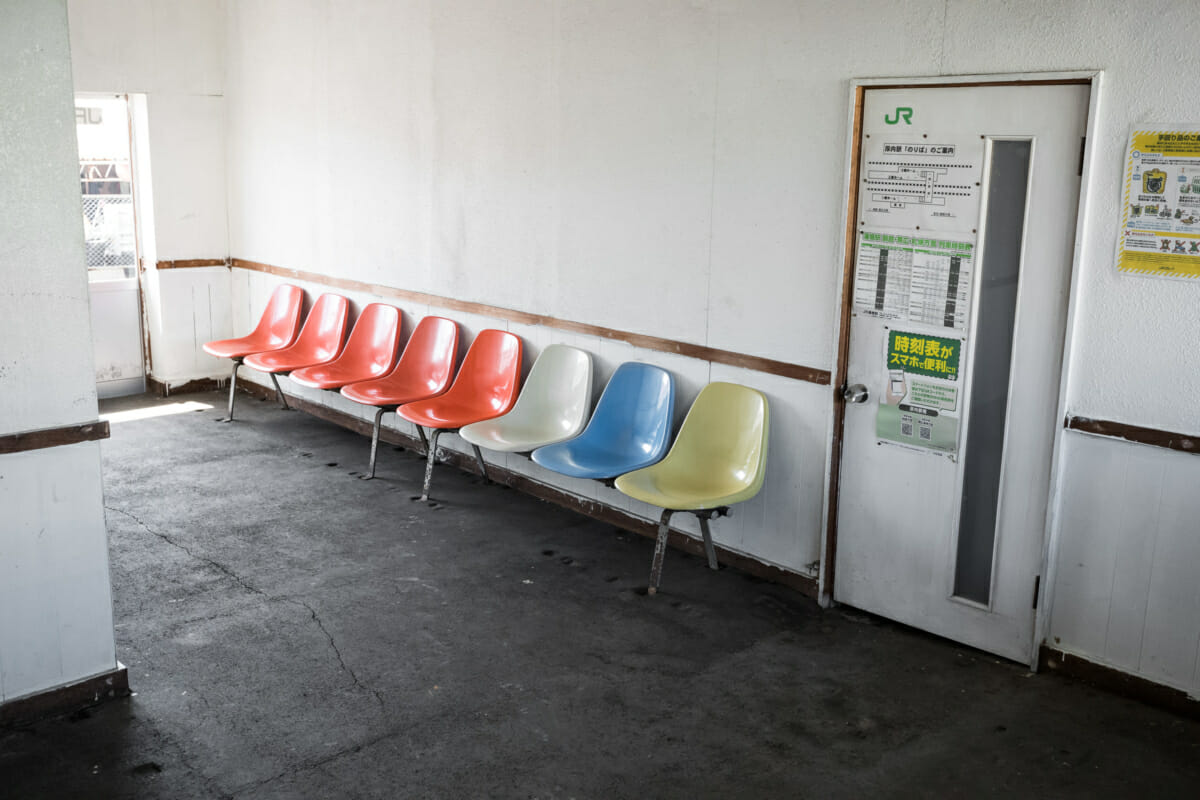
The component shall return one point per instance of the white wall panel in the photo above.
(1139, 488)
(191, 307)
(494, 164)
(1126, 593)
(115, 310)
(148, 45)
(55, 607)
(279, 167)
(187, 149)
(636, 104)
(780, 133)
(1170, 649)
(783, 524)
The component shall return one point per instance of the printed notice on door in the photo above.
(911, 182)
(920, 279)
(919, 406)
(1160, 227)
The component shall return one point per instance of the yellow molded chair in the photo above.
(718, 459)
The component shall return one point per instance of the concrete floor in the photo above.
(291, 631)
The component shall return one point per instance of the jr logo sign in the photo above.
(901, 114)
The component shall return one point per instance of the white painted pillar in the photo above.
(55, 598)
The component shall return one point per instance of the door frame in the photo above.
(140, 229)
(853, 152)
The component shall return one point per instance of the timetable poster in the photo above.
(903, 277)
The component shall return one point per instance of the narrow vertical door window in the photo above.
(1007, 185)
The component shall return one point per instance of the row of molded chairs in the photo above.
(718, 458)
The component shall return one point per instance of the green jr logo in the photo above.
(901, 113)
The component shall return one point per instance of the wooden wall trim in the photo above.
(950, 84)
(804, 584)
(728, 357)
(192, 263)
(53, 437)
(1134, 433)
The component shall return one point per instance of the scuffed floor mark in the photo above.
(316, 763)
(249, 587)
(217, 565)
(333, 646)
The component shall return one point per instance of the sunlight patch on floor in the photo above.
(154, 411)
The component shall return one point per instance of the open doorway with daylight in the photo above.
(106, 184)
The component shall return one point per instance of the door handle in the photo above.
(855, 393)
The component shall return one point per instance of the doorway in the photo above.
(963, 241)
(106, 183)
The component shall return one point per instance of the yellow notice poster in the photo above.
(1160, 228)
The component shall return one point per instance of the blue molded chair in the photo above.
(630, 429)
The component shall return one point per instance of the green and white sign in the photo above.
(920, 354)
(919, 407)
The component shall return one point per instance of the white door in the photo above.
(110, 234)
(966, 229)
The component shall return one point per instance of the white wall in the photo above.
(55, 602)
(676, 168)
(173, 51)
(1127, 592)
(646, 167)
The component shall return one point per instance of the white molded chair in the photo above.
(553, 406)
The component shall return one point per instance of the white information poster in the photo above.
(921, 279)
(912, 183)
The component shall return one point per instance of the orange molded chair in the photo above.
(424, 371)
(277, 329)
(486, 387)
(319, 342)
(370, 351)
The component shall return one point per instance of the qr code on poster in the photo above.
(906, 428)
(926, 433)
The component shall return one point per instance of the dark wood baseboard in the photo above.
(53, 437)
(160, 389)
(804, 584)
(66, 699)
(1117, 682)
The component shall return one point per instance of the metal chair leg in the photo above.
(237, 362)
(482, 466)
(431, 457)
(709, 550)
(279, 392)
(660, 549)
(424, 441)
(375, 441)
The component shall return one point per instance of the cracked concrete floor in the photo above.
(291, 631)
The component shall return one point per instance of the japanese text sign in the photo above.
(923, 355)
